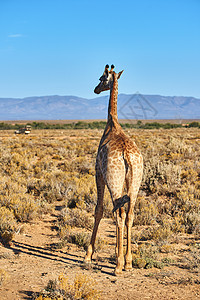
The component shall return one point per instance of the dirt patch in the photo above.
(30, 263)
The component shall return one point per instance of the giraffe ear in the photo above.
(119, 74)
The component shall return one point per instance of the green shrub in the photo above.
(146, 257)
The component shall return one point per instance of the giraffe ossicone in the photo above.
(118, 163)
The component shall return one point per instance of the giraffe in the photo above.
(119, 163)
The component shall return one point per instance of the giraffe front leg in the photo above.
(98, 214)
(120, 236)
(98, 217)
(90, 249)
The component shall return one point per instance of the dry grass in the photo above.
(3, 276)
(49, 166)
(83, 287)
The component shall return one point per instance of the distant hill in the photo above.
(135, 106)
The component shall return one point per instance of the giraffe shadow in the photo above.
(61, 256)
(44, 252)
(27, 295)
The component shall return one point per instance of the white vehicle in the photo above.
(25, 130)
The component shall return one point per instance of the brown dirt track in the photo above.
(31, 263)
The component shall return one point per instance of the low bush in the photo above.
(83, 287)
(8, 225)
(146, 257)
(75, 217)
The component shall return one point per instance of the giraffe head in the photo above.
(106, 80)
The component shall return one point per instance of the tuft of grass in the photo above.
(82, 239)
(83, 287)
(146, 257)
(3, 276)
(75, 217)
(8, 225)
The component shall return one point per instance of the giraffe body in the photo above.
(119, 163)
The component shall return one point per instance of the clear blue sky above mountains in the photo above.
(50, 47)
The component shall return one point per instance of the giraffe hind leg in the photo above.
(133, 185)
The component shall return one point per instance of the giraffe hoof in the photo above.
(118, 271)
(128, 267)
(87, 265)
(87, 261)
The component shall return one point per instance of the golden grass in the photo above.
(54, 165)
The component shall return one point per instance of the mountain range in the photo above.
(134, 106)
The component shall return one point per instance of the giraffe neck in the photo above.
(112, 108)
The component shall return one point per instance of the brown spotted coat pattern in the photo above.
(119, 163)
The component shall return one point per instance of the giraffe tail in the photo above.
(120, 202)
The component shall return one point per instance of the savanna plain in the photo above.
(47, 202)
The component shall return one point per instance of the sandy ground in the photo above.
(30, 263)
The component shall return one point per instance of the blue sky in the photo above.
(60, 47)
